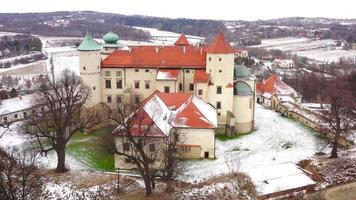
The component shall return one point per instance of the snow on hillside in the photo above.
(320, 50)
(159, 36)
(276, 140)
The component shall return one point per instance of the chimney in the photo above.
(129, 49)
(201, 50)
(157, 49)
(184, 49)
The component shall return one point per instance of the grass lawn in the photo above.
(225, 138)
(88, 148)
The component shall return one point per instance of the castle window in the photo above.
(107, 73)
(187, 71)
(5, 119)
(109, 99)
(84, 68)
(119, 99)
(137, 84)
(126, 147)
(98, 67)
(166, 89)
(136, 70)
(218, 105)
(251, 103)
(191, 87)
(15, 116)
(119, 73)
(200, 92)
(152, 147)
(147, 84)
(220, 71)
(108, 84)
(147, 70)
(209, 58)
(220, 59)
(119, 84)
(137, 99)
(94, 88)
(218, 89)
(180, 86)
(25, 114)
(219, 113)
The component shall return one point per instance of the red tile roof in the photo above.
(182, 41)
(167, 74)
(220, 46)
(230, 85)
(274, 85)
(174, 99)
(200, 76)
(155, 56)
(171, 110)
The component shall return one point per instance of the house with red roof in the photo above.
(166, 115)
(128, 75)
(274, 90)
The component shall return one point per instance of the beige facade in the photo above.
(220, 68)
(113, 85)
(89, 63)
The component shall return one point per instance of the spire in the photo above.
(88, 44)
(182, 41)
(220, 45)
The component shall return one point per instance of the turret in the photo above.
(89, 63)
(111, 44)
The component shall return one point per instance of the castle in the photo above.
(119, 74)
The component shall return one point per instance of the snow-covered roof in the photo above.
(180, 110)
(279, 177)
(16, 104)
(167, 74)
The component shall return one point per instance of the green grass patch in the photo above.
(88, 148)
(225, 137)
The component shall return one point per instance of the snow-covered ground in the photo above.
(159, 36)
(320, 50)
(276, 140)
(13, 138)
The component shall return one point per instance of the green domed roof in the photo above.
(241, 72)
(243, 89)
(88, 44)
(111, 38)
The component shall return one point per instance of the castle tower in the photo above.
(111, 44)
(244, 100)
(89, 63)
(220, 67)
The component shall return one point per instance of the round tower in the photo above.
(244, 103)
(89, 63)
(111, 44)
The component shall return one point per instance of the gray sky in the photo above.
(199, 9)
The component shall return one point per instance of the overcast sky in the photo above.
(198, 9)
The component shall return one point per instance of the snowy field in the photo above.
(158, 37)
(319, 50)
(276, 140)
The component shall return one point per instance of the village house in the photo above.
(119, 74)
(283, 63)
(273, 86)
(166, 116)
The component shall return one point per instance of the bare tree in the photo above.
(136, 135)
(339, 117)
(19, 176)
(62, 114)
